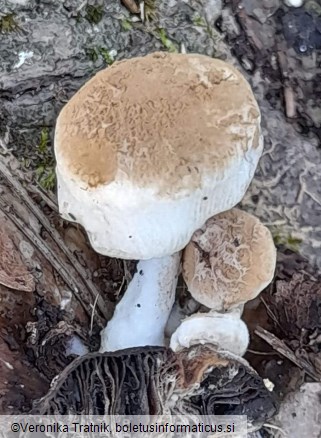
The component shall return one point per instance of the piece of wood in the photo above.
(279, 346)
(35, 210)
(47, 252)
(131, 5)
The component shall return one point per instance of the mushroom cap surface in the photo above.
(157, 381)
(226, 331)
(151, 147)
(229, 261)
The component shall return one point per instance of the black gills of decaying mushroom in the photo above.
(155, 381)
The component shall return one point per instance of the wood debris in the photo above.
(132, 6)
(13, 272)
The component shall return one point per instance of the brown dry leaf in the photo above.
(13, 272)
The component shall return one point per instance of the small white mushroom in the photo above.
(146, 152)
(229, 261)
(227, 332)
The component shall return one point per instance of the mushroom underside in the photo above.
(155, 381)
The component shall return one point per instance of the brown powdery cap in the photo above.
(229, 261)
(152, 147)
(163, 117)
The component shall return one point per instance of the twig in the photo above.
(7, 364)
(142, 11)
(289, 99)
(46, 252)
(246, 25)
(92, 315)
(261, 353)
(288, 93)
(269, 311)
(285, 351)
(131, 5)
(22, 193)
(127, 275)
(49, 200)
(183, 48)
(273, 426)
(120, 287)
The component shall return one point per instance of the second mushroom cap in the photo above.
(229, 261)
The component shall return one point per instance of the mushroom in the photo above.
(229, 261)
(226, 332)
(146, 152)
(157, 381)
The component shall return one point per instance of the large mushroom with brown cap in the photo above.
(146, 152)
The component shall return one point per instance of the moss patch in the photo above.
(94, 53)
(170, 46)
(45, 170)
(126, 25)
(8, 23)
(199, 21)
(285, 239)
(94, 14)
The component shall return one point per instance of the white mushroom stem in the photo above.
(141, 315)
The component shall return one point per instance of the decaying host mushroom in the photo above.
(225, 331)
(229, 261)
(156, 381)
(142, 166)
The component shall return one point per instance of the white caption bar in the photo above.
(120, 426)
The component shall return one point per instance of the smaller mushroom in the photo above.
(229, 261)
(226, 332)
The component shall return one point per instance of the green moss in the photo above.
(8, 23)
(94, 14)
(170, 46)
(107, 57)
(44, 139)
(92, 54)
(47, 178)
(126, 25)
(199, 21)
(45, 170)
(286, 239)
